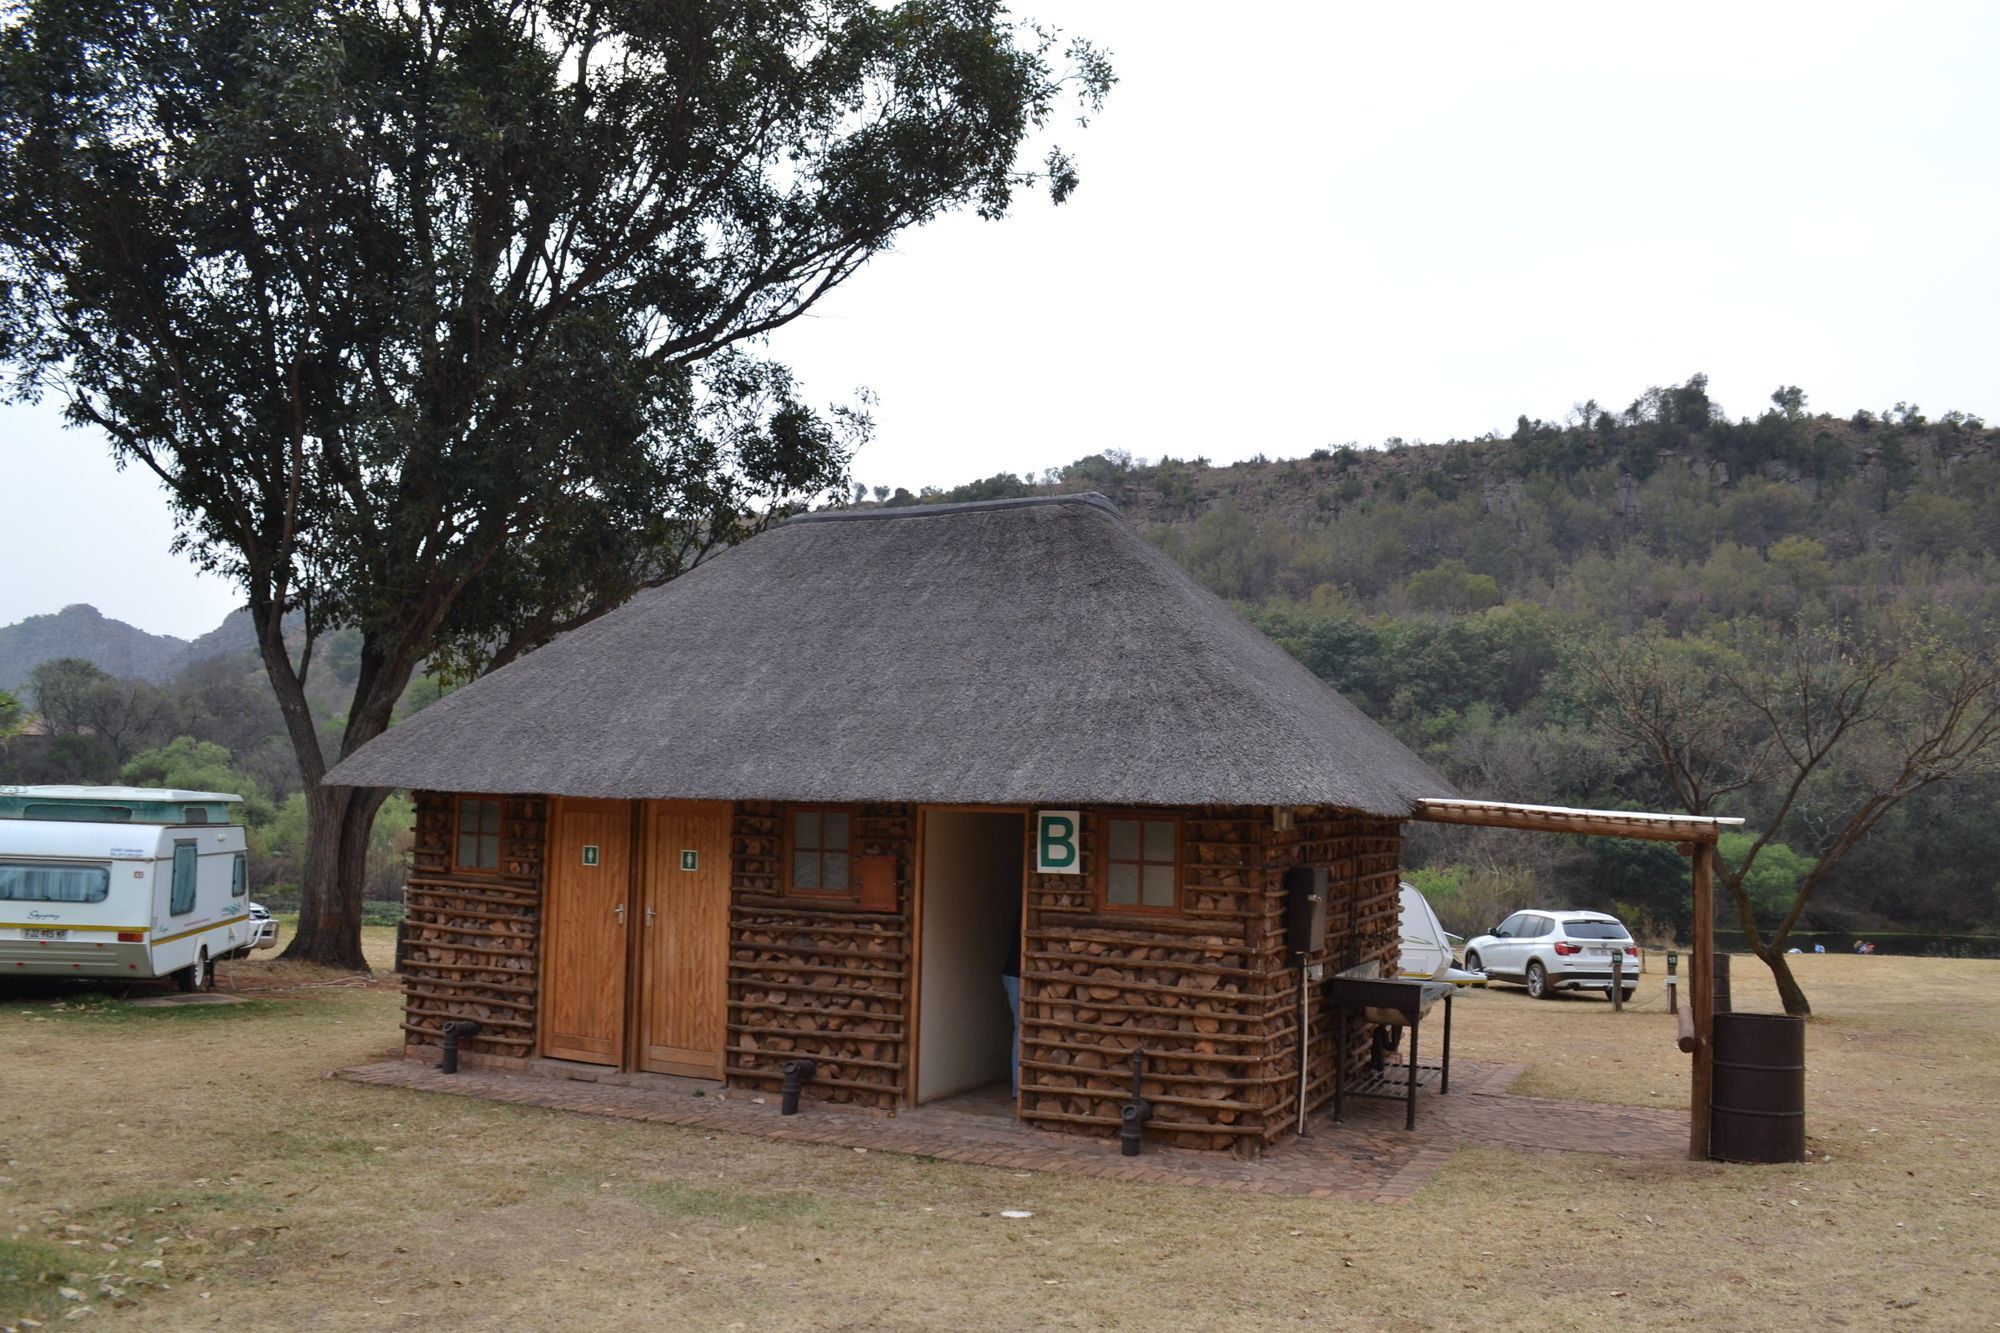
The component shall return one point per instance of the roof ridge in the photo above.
(1091, 498)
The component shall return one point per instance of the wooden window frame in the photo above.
(850, 894)
(458, 804)
(1101, 872)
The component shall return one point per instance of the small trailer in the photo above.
(129, 882)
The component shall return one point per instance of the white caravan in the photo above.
(1427, 948)
(127, 882)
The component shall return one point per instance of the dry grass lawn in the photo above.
(194, 1168)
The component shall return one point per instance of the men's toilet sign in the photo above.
(1056, 844)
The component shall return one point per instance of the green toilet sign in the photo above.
(1056, 844)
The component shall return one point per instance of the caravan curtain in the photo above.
(54, 884)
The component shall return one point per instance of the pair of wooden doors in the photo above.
(635, 935)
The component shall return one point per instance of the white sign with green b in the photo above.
(1056, 845)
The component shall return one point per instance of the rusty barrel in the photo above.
(1757, 1109)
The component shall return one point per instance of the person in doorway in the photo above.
(1010, 981)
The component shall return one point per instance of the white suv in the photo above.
(1552, 951)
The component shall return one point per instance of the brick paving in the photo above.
(1369, 1156)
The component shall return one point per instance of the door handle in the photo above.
(620, 909)
(649, 916)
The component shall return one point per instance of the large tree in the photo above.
(1815, 734)
(76, 697)
(440, 320)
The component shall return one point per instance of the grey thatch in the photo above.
(1029, 651)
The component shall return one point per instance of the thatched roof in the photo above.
(1026, 651)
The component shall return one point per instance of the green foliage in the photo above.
(438, 323)
(13, 718)
(1774, 878)
(194, 765)
(1450, 585)
(1642, 879)
(1229, 551)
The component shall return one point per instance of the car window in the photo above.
(1536, 926)
(1512, 925)
(1595, 930)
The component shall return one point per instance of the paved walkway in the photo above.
(1369, 1156)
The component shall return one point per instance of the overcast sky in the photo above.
(1314, 224)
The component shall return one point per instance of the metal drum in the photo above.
(1757, 1110)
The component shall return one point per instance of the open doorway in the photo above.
(971, 928)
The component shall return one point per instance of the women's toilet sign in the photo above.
(1056, 851)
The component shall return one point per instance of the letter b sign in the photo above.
(1056, 843)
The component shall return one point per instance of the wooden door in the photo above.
(682, 1006)
(584, 933)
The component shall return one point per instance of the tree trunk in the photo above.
(1781, 972)
(338, 823)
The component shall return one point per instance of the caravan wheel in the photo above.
(196, 976)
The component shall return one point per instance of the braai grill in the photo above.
(1396, 1003)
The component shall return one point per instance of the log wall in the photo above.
(1094, 985)
(1209, 993)
(471, 942)
(823, 979)
(1363, 856)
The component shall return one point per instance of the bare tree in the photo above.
(1820, 732)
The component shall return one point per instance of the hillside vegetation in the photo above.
(1443, 588)
(1446, 589)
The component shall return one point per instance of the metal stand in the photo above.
(1305, 1041)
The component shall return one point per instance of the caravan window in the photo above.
(54, 884)
(84, 814)
(239, 877)
(187, 864)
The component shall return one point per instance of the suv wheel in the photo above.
(1472, 963)
(1538, 982)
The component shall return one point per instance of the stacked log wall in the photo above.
(1363, 857)
(819, 978)
(472, 941)
(1185, 988)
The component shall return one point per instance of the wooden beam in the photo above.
(1701, 1000)
(1606, 825)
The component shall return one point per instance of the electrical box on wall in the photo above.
(1305, 910)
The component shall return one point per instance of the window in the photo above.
(1534, 927)
(194, 814)
(1595, 930)
(88, 814)
(478, 835)
(239, 877)
(1512, 926)
(187, 864)
(54, 884)
(820, 852)
(1142, 864)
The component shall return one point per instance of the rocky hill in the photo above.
(120, 649)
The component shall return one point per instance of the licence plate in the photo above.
(1603, 953)
(32, 934)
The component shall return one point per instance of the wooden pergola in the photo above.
(1695, 836)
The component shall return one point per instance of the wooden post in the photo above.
(1701, 1000)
